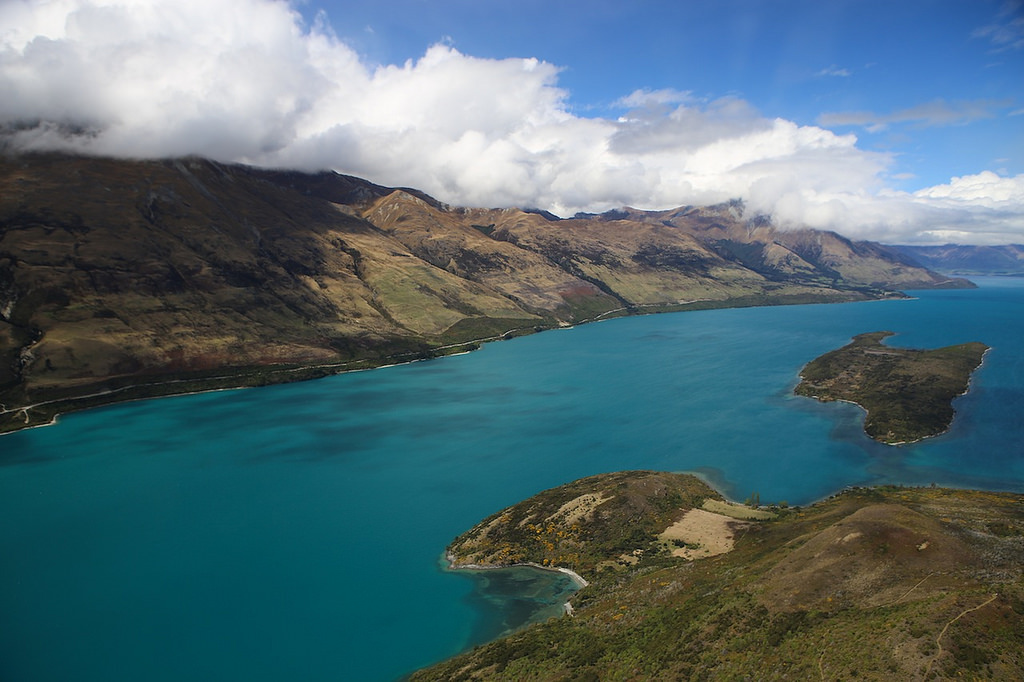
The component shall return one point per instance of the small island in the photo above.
(907, 393)
(870, 584)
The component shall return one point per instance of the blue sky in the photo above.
(933, 62)
(895, 121)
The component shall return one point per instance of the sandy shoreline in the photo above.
(580, 581)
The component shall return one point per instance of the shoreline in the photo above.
(339, 368)
(575, 577)
(580, 581)
(329, 369)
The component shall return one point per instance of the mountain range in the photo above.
(122, 279)
(961, 259)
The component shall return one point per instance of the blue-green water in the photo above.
(294, 532)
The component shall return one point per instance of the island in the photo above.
(907, 393)
(871, 583)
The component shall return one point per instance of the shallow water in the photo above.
(507, 599)
(295, 531)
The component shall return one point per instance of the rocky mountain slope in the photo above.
(871, 584)
(123, 279)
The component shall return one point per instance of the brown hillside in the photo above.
(123, 279)
(872, 584)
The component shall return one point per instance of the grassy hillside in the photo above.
(122, 279)
(590, 526)
(872, 584)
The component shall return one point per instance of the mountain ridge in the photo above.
(123, 279)
(960, 259)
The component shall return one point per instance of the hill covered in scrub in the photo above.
(906, 392)
(873, 583)
(590, 526)
(123, 279)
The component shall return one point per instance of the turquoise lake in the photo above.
(297, 531)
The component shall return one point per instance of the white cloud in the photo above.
(245, 80)
(835, 71)
(985, 188)
(643, 98)
(153, 78)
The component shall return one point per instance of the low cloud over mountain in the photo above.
(250, 81)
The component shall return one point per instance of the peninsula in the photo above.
(872, 583)
(602, 523)
(907, 393)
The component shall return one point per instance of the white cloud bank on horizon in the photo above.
(244, 80)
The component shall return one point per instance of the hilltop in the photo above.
(872, 583)
(122, 279)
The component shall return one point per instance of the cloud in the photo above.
(985, 188)
(248, 81)
(154, 78)
(1006, 33)
(835, 71)
(639, 99)
(980, 208)
(937, 113)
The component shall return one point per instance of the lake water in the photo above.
(296, 531)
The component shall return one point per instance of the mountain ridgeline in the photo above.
(961, 259)
(123, 279)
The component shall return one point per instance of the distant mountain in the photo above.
(123, 279)
(968, 260)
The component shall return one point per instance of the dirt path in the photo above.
(938, 640)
